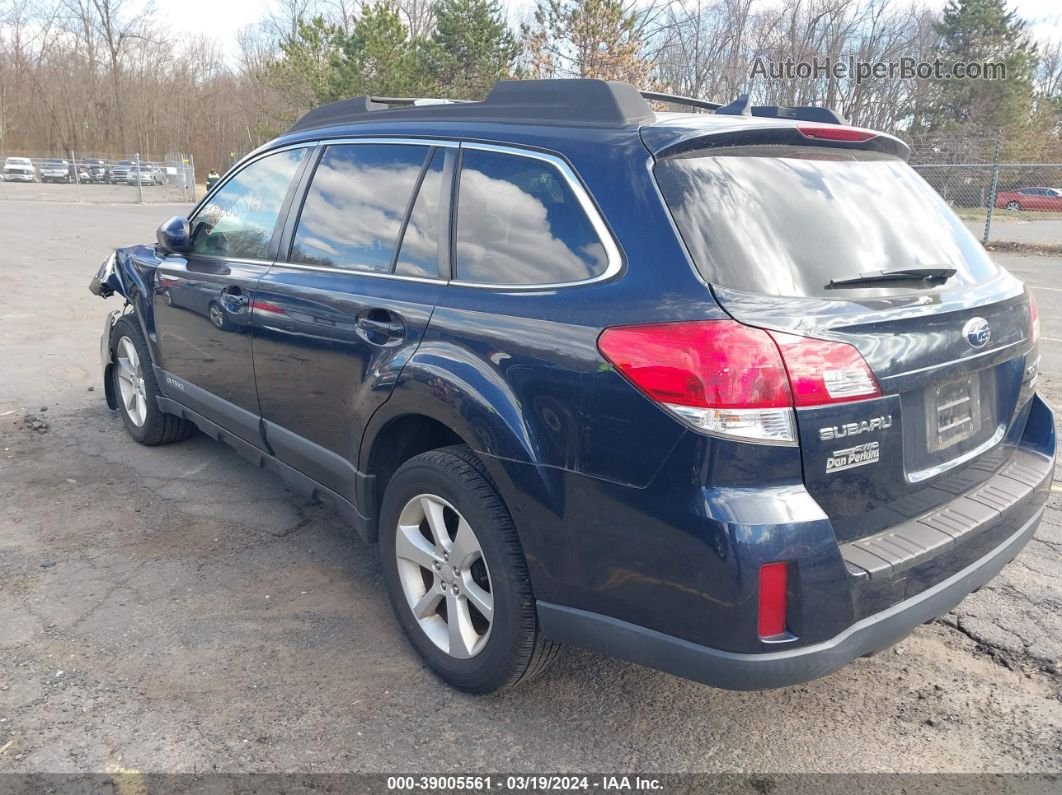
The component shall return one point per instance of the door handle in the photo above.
(384, 327)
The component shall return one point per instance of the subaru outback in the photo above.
(731, 394)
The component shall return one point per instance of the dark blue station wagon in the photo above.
(731, 394)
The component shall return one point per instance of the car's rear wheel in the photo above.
(136, 389)
(456, 573)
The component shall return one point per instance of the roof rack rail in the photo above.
(677, 99)
(741, 107)
(418, 101)
(578, 102)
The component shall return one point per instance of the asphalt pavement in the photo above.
(177, 609)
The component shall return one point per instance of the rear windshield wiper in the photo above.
(928, 275)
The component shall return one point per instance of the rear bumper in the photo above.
(761, 671)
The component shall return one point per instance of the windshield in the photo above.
(789, 220)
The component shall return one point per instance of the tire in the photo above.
(143, 419)
(1013, 206)
(217, 317)
(491, 654)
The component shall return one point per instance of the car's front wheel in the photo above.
(218, 317)
(136, 389)
(1013, 206)
(456, 573)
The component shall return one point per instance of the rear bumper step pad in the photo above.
(917, 540)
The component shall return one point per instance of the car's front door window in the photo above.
(239, 219)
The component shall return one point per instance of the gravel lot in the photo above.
(176, 609)
(93, 193)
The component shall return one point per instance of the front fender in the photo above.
(136, 266)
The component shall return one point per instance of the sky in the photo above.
(222, 19)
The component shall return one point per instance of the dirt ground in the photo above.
(176, 609)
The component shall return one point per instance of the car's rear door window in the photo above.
(238, 220)
(788, 220)
(519, 222)
(419, 252)
(355, 206)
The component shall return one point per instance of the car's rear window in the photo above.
(788, 220)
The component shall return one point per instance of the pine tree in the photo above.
(305, 74)
(471, 48)
(983, 31)
(587, 38)
(377, 57)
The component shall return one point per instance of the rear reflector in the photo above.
(727, 378)
(830, 132)
(774, 583)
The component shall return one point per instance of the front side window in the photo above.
(239, 219)
(355, 206)
(519, 222)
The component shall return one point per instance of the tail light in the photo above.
(833, 132)
(825, 372)
(773, 599)
(267, 307)
(727, 378)
(1031, 373)
(1034, 319)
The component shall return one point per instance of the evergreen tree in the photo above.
(471, 49)
(587, 38)
(377, 57)
(305, 73)
(983, 31)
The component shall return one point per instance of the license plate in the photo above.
(953, 412)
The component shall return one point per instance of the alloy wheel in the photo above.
(131, 382)
(444, 576)
(216, 316)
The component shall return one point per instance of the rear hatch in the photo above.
(786, 232)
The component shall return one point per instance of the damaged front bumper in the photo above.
(107, 357)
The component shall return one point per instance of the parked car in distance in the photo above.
(1042, 199)
(19, 169)
(120, 170)
(95, 171)
(745, 415)
(56, 171)
(146, 175)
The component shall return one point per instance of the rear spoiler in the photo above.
(665, 142)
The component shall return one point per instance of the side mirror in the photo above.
(174, 236)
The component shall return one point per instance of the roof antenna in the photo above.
(739, 107)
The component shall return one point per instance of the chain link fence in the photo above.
(1003, 202)
(102, 178)
(1000, 200)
